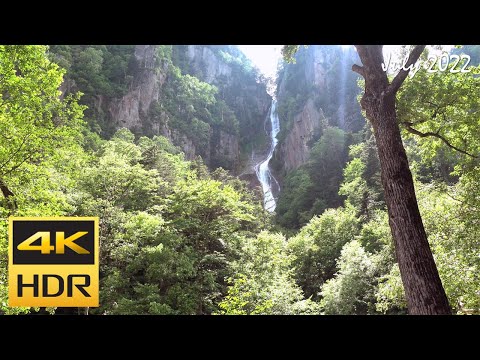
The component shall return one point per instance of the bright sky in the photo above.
(264, 57)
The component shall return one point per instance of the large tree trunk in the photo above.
(423, 287)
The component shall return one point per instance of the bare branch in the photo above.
(358, 69)
(402, 74)
(438, 136)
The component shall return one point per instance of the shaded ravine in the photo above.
(262, 170)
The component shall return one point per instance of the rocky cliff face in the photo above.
(226, 146)
(156, 98)
(243, 93)
(248, 98)
(206, 64)
(319, 90)
(132, 110)
(295, 149)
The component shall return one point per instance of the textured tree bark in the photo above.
(423, 287)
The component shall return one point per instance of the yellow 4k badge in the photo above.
(53, 261)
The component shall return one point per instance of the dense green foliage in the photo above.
(96, 70)
(313, 187)
(263, 281)
(178, 238)
(169, 229)
(37, 127)
(168, 232)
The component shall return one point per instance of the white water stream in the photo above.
(262, 170)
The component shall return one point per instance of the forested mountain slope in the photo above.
(208, 100)
(145, 149)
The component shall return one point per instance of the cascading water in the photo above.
(262, 170)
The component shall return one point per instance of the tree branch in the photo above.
(358, 69)
(402, 74)
(438, 136)
(24, 140)
(9, 196)
(16, 166)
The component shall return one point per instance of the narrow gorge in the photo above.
(218, 190)
(210, 101)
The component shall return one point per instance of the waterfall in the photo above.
(262, 170)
